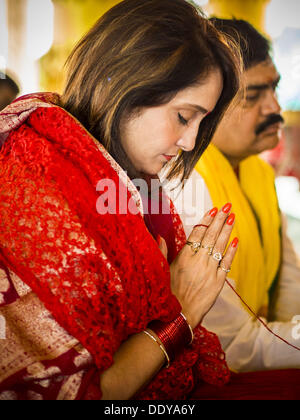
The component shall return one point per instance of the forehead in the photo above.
(261, 74)
(205, 93)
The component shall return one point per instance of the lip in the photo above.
(273, 128)
(169, 157)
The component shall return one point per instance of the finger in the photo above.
(222, 241)
(163, 246)
(228, 259)
(213, 232)
(199, 230)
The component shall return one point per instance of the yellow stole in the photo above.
(258, 223)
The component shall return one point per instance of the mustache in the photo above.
(272, 119)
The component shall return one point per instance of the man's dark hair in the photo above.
(5, 80)
(255, 48)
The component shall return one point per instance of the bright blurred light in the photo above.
(283, 25)
(201, 2)
(288, 193)
(3, 37)
(288, 66)
(280, 15)
(40, 27)
(286, 54)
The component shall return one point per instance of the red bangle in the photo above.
(174, 335)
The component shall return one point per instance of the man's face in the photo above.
(254, 124)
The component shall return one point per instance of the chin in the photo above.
(152, 171)
(268, 142)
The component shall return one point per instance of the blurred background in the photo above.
(36, 37)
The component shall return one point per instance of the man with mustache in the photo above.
(266, 272)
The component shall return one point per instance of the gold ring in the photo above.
(209, 247)
(217, 256)
(224, 269)
(194, 245)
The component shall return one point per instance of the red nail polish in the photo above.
(213, 212)
(235, 242)
(231, 219)
(158, 239)
(227, 208)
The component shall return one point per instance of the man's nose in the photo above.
(271, 104)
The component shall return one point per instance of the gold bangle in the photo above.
(191, 329)
(161, 347)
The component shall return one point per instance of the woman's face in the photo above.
(155, 135)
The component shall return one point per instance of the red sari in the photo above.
(75, 284)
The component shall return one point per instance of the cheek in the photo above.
(250, 118)
(243, 127)
(162, 139)
(241, 133)
(150, 136)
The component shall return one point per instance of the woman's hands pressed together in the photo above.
(198, 273)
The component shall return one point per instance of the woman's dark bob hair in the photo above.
(141, 53)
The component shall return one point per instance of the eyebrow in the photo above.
(197, 107)
(265, 85)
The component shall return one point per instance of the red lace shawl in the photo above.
(102, 277)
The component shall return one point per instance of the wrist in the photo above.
(193, 319)
(173, 336)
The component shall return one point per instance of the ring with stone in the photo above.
(227, 270)
(217, 256)
(194, 245)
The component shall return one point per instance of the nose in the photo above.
(188, 139)
(271, 104)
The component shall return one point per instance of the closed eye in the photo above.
(253, 97)
(182, 120)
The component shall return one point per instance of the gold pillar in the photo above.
(16, 24)
(72, 19)
(251, 10)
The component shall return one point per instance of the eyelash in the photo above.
(182, 120)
